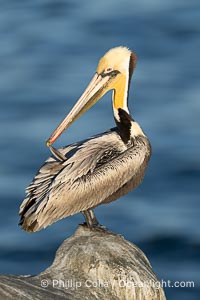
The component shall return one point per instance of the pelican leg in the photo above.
(90, 218)
(92, 222)
(57, 154)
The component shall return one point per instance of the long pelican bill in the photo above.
(94, 91)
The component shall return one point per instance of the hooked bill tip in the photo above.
(48, 143)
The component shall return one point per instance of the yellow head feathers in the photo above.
(117, 58)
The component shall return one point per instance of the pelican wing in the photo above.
(38, 188)
(93, 170)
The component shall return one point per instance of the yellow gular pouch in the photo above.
(120, 91)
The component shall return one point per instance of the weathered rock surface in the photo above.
(89, 265)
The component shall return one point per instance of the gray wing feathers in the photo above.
(88, 156)
(97, 168)
(38, 188)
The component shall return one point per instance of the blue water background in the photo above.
(49, 52)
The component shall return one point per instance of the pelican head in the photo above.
(113, 72)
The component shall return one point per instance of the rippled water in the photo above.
(49, 51)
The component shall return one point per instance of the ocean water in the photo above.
(49, 52)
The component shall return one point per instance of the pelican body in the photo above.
(97, 170)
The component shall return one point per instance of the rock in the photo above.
(89, 265)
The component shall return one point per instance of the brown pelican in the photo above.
(98, 170)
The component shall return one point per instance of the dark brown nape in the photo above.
(124, 125)
(132, 63)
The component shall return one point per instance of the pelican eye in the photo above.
(109, 72)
